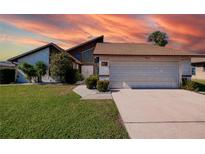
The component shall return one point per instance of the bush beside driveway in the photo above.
(55, 111)
(200, 85)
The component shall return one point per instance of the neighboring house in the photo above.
(198, 68)
(84, 53)
(42, 53)
(129, 65)
(7, 64)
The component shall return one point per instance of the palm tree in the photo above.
(40, 68)
(159, 38)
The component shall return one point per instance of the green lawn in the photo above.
(200, 85)
(55, 111)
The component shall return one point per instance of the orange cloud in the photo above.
(117, 27)
(20, 40)
(188, 31)
(181, 24)
(43, 28)
(185, 31)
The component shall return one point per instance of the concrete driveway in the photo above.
(161, 113)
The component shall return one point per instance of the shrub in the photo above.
(61, 64)
(91, 81)
(80, 77)
(102, 86)
(7, 76)
(189, 85)
(72, 76)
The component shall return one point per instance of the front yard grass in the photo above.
(55, 111)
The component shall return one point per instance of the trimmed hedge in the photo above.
(7, 75)
(189, 85)
(102, 85)
(91, 81)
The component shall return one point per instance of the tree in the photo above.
(72, 76)
(29, 70)
(40, 68)
(159, 38)
(61, 64)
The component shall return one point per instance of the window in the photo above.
(193, 71)
(96, 60)
(87, 56)
(77, 55)
(104, 63)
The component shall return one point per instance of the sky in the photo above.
(21, 33)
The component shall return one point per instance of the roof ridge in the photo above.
(85, 42)
(40, 48)
(30, 51)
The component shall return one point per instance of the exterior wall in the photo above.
(87, 70)
(75, 66)
(42, 55)
(200, 73)
(103, 70)
(185, 68)
(21, 77)
(184, 63)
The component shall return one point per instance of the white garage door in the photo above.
(144, 75)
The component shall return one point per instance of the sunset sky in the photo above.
(20, 33)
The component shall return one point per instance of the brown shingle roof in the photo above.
(138, 49)
(197, 60)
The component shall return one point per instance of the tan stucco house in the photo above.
(125, 65)
(198, 68)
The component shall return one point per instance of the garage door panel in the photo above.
(142, 85)
(144, 80)
(144, 74)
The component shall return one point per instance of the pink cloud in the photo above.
(185, 31)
